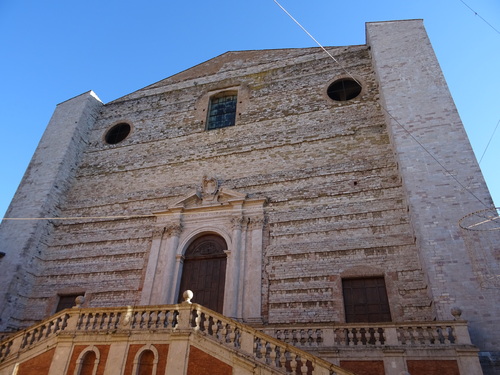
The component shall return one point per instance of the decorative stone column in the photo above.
(252, 292)
(147, 287)
(165, 283)
(159, 283)
(233, 295)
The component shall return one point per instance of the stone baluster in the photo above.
(223, 337)
(403, 335)
(350, 336)
(293, 363)
(218, 330)
(79, 323)
(93, 322)
(255, 350)
(212, 326)
(295, 340)
(156, 319)
(104, 321)
(447, 332)
(51, 327)
(277, 334)
(59, 322)
(282, 358)
(24, 341)
(112, 321)
(377, 335)
(41, 332)
(88, 322)
(263, 350)
(205, 324)
(161, 319)
(316, 337)
(272, 355)
(303, 337)
(303, 368)
(429, 335)
(5, 349)
(286, 336)
(197, 319)
(170, 318)
(33, 336)
(232, 335)
(419, 335)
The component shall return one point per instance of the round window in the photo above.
(344, 89)
(117, 133)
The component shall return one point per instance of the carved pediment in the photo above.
(209, 197)
(199, 198)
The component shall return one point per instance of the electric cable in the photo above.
(496, 127)
(388, 113)
(477, 14)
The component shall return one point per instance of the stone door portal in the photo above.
(204, 271)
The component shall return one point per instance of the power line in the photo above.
(318, 43)
(496, 127)
(388, 113)
(477, 14)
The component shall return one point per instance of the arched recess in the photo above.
(87, 361)
(204, 271)
(146, 361)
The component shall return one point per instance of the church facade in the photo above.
(314, 201)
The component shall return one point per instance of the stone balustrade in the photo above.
(278, 355)
(284, 348)
(412, 334)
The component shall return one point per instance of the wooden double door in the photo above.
(204, 271)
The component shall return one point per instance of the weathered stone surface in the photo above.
(344, 192)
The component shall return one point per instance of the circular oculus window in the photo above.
(343, 89)
(117, 133)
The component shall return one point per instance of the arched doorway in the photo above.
(204, 271)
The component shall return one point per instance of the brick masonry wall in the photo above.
(201, 363)
(430, 367)
(364, 367)
(336, 205)
(38, 365)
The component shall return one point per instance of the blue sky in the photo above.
(54, 50)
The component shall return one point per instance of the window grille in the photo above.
(222, 112)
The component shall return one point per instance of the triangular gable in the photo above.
(228, 61)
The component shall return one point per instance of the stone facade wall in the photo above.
(443, 188)
(336, 205)
(40, 195)
(348, 192)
